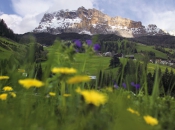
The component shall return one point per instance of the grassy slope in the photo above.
(5, 53)
(96, 63)
(158, 54)
(93, 64)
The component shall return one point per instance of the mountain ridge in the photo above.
(93, 21)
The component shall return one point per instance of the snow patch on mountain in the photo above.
(172, 32)
(85, 32)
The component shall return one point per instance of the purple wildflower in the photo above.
(124, 85)
(96, 47)
(115, 86)
(137, 86)
(132, 84)
(78, 43)
(89, 42)
(77, 50)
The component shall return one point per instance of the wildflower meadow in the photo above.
(58, 95)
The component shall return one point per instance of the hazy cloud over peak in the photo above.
(26, 7)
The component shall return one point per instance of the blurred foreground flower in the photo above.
(21, 70)
(52, 94)
(93, 97)
(78, 43)
(78, 79)
(78, 90)
(64, 70)
(96, 47)
(115, 85)
(28, 83)
(109, 89)
(13, 94)
(3, 96)
(4, 77)
(132, 84)
(7, 88)
(89, 42)
(150, 120)
(66, 95)
(124, 85)
(128, 96)
(133, 111)
(137, 86)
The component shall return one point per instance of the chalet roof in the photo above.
(129, 55)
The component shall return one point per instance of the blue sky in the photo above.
(24, 15)
(6, 6)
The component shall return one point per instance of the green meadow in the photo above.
(95, 63)
(142, 47)
(57, 94)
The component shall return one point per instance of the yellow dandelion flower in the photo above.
(130, 110)
(52, 94)
(64, 70)
(150, 120)
(66, 95)
(13, 94)
(94, 97)
(133, 111)
(109, 89)
(137, 113)
(3, 96)
(78, 90)
(4, 77)
(128, 96)
(8, 88)
(78, 79)
(28, 83)
(21, 70)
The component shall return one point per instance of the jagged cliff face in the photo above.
(91, 22)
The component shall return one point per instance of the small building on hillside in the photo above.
(129, 56)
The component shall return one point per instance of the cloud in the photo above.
(148, 12)
(30, 12)
(20, 24)
(71, 4)
(26, 7)
(12, 21)
(163, 20)
(31, 7)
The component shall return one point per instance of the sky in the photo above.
(24, 15)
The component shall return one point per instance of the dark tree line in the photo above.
(120, 46)
(166, 81)
(6, 32)
(164, 40)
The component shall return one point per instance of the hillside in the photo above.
(10, 48)
(47, 38)
(92, 68)
(142, 44)
(165, 41)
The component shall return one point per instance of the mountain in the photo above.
(92, 21)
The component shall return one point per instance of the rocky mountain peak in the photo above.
(93, 21)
